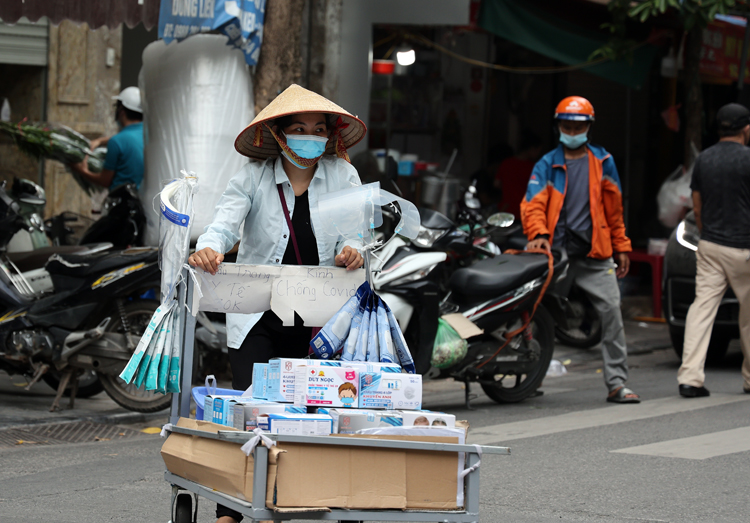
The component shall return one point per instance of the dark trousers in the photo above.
(267, 339)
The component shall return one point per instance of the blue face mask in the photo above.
(347, 401)
(573, 141)
(307, 145)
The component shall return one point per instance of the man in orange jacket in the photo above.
(573, 201)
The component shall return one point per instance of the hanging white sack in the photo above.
(197, 97)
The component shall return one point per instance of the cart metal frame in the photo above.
(256, 509)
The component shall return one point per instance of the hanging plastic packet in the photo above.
(385, 340)
(363, 338)
(402, 350)
(173, 381)
(350, 345)
(155, 364)
(176, 210)
(409, 224)
(332, 336)
(373, 341)
(136, 360)
(449, 347)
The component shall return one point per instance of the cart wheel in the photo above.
(183, 508)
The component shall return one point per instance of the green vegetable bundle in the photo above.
(56, 142)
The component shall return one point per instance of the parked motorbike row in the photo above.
(73, 314)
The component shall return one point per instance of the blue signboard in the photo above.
(240, 20)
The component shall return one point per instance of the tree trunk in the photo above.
(280, 63)
(693, 94)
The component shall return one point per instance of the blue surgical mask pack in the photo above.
(573, 141)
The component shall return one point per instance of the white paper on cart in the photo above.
(315, 293)
(432, 431)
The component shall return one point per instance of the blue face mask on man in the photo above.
(573, 141)
(305, 146)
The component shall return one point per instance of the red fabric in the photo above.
(513, 175)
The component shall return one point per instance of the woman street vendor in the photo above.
(300, 141)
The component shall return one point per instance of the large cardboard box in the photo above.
(302, 476)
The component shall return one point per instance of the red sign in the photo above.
(722, 50)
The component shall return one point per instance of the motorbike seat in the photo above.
(78, 266)
(30, 260)
(493, 277)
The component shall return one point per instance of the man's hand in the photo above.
(206, 259)
(82, 166)
(623, 264)
(539, 243)
(349, 258)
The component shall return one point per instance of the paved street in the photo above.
(574, 457)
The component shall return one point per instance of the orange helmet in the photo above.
(575, 108)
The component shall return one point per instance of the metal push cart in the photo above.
(256, 510)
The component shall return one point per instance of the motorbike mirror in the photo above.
(501, 219)
(470, 198)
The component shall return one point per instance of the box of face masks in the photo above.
(296, 424)
(382, 390)
(280, 381)
(245, 413)
(326, 386)
(363, 366)
(217, 409)
(349, 421)
(426, 418)
(260, 381)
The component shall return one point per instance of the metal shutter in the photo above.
(24, 43)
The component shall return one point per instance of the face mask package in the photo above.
(296, 424)
(217, 409)
(426, 418)
(260, 381)
(349, 421)
(245, 413)
(379, 390)
(332, 336)
(280, 382)
(326, 386)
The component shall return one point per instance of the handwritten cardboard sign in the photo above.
(315, 293)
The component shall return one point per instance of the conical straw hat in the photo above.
(256, 140)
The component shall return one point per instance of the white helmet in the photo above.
(130, 97)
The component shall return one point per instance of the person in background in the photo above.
(512, 175)
(485, 175)
(721, 202)
(124, 161)
(574, 201)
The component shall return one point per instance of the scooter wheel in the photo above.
(525, 385)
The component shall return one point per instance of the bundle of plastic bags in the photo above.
(155, 364)
(364, 329)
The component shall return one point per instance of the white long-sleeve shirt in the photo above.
(252, 197)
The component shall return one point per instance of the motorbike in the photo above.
(437, 274)
(122, 223)
(91, 322)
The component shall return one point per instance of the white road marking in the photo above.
(697, 447)
(586, 419)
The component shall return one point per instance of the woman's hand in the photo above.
(349, 258)
(206, 259)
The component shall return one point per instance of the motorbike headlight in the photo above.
(426, 237)
(688, 235)
(414, 276)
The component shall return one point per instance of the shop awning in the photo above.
(95, 13)
(561, 41)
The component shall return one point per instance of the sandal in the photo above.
(623, 395)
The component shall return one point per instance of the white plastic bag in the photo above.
(675, 196)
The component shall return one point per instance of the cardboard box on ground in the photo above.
(320, 476)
